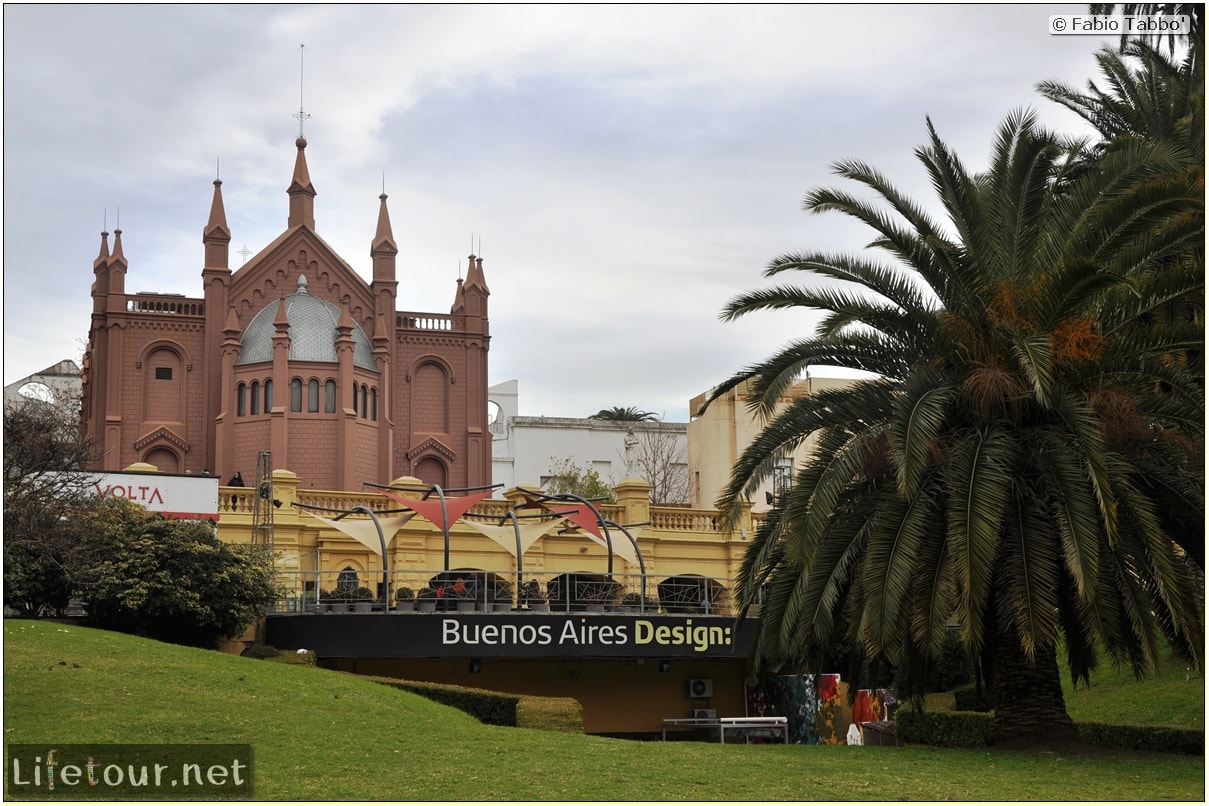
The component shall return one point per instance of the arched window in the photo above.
(256, 397)
(373, 404)
(312, 395)
(268, 396)
(364, 402)
(296, 394)
(241, 400)
(329, 396)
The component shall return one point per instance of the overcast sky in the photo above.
(626, 169)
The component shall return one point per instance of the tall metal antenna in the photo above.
(302, 116)
(218, 167)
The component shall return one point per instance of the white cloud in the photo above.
(627, 168)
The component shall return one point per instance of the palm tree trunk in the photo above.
(1028, 696)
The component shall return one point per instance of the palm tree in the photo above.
(1151, 98)
(994, 476)
(628, 414)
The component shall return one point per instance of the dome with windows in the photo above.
(312, 332)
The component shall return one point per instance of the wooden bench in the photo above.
(769, 724)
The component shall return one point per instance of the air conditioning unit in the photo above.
(701, 687)
(705, 713)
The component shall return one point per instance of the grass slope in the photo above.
(321, 735)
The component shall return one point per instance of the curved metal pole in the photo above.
(599, 520)
(444, 520)
(385, 561)
(641, 562)
(516, 531)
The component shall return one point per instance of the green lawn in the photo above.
(321, 735)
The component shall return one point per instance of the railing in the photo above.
(501, 591)
(424, 321)
(165, 304)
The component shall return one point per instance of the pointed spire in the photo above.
(383, 236)
(232, 325)
(218, 215)
(383, 249)
(474, 275)
(281, 322)
(103, 255)
(301, 191)
(216, 236)
(118, 256)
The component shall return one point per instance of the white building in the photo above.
(525, 449)
(59, 383)
(718, 438)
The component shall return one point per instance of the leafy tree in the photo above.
(167, 579)
(568, 477)
(999, 473)
(628, 415)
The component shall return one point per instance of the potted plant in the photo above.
(326, 601)
(631, 602)
(363, 600)
(426, 601)
(533, 597)
(405, 600)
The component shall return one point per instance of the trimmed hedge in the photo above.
(499, 708)
(970, 729)
(942, 729)
(967, 698)
(1143, 737)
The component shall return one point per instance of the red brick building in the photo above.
(292, 353)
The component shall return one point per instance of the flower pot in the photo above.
(426, 606)
(467, 607)
(501, 607)
(404, 607)
(539, 607)
(363, 607)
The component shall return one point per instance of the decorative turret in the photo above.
(216, 236)
(116, 291)
(384, 248)
(301, 191)
(100, 268)
(475, 290)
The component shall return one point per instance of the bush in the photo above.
(562, 714)
(1143, 737)
(498, 708)
(405, 595)
(969, 729)
(951, 729)
(171, 580)
(260, 652)
(969, 698)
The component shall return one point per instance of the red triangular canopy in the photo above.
(431, 508)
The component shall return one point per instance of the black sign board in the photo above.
(511, 635)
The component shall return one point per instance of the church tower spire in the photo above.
(301, 191)
(217, 237)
